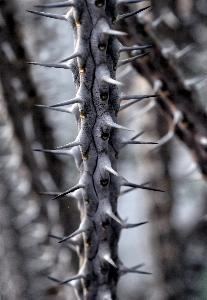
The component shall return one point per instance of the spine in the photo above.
(96, 148)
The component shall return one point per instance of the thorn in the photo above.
(55, 5)
(128, 60)
(122, 107)
(138, 135)
(110, 123)
(113, 32)
(135, 225)
(72, 278)
(112, 81)
(126, 183)
(139, 97)
(129, 1)
(78, 231)
(74, 55)
(66, 152)
(75, 143)
(53, 16)
(59, 66)
(68, 102)
(113, 216)
(125, 270)
(68, 110)
(132, 189)
(53, 194)
(56, 280)
(127, 142)
(112, 171)
(76, 187)
(109, 260)
(124, 16)
(123, 48)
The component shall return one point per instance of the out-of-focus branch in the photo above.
(175, 94)
(21, 95)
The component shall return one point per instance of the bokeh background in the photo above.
(173, 245)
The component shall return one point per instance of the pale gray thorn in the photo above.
(188, 83)
(55, 5)
(53, 194)
(128, 60)
(129, 1)
(70, 145)
(68, 102)
(110, 123)
(132, 189)
(114, 217)
(53, 16)
(76, 187)
(67, 110)
(58, 66)
(112, 171)
(122, 107)
(64, 152)
(57, 280)
(109, 260)
(138, 97)
(127, 142)
(78, 231)
(74, 55)
(113, 32)
(138, 135)
(72, 278)
(112, 81)
(124, 16)
(126, 183)
(128, 226)
(134, 48)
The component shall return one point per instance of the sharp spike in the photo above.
(129, 1)
(126, 142)
(78, 231)
(72, 278)
(128, 60)
(113, 32)
(131, 189)
(124, 16)
(57, 280)
(112, 81)
(138, 135)
(76, 187)
(66, 152)
(112, 171)
(125, 270)
(68, 102)
(134, 48)
(110, 123)
(74, 55)
(135, 225)
(55, 5)
(122, 107)
(126, 183)
(59, 66)
(138, 97)
(53, 194)
(53, 16)
(109, 260)
(70, 145)
(113, 216)
(67, 110)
